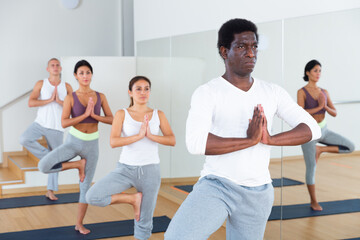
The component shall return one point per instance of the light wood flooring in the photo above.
(337, 178)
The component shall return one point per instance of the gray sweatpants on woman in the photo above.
(54, 138)
(146, 179)
(328, 138)
(73, 147)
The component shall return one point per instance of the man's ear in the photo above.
(223, 52)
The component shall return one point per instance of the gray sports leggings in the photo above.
(54, 138)
(328, 138)
(146, 179)
(73, 147)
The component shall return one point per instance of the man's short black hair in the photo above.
(234, 26)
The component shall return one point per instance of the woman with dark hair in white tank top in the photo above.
(135, 129)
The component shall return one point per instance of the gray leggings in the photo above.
(73, 147)
(328, 138)
(146, 179)
(54, 138)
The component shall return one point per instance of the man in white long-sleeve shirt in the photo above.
(229, 121)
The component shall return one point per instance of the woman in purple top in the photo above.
(316, 101)
(84, 106)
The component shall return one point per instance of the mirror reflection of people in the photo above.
(229, 121)
(48, 96)
(84, 106)
(316, 101)
(136, 130)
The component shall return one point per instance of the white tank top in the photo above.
(49, 115)
(142, 152)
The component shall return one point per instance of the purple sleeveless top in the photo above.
(78, 109)
(310, 102)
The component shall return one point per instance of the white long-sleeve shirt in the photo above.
(220, 108)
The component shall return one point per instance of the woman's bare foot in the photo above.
(137, 205)
(316, 206)
(81, 168)
(82, 229)
(50, 195)
(318, 152)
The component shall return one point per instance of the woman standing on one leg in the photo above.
(136, 130)
(317, 102)
(84, 106)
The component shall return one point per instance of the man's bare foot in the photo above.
(316, 206)
(318, 152)
(82, 169)
(50, 195)
(137, 205)
(82, 229)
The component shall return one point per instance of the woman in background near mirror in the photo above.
(316, 101)
(84, 106)
(136, 129)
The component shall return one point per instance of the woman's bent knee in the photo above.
(95, 201)
(92, 199)
(351, 147)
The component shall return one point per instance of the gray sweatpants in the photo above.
(328, 138)
(73, 147)
(215, 199)
(146, 179)
(54, 138)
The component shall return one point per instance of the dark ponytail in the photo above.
(310, 65)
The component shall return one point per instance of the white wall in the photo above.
(94, 29)
(34, 31)
(162, 18)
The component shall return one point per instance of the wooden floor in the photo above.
(337, 178)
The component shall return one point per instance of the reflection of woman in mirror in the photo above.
(136, 130)
(84, 106)
(317, 102)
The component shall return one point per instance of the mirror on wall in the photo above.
(331, 39)
(182, 63)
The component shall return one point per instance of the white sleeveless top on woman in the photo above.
(144, 151)
(49, 115)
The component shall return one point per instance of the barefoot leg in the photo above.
(50, 194)
(81, 214)
(82, 169)
(133, 199)
(317, 154)
(314, 203)
(137, 205)
(322, 149)
(80, 165)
